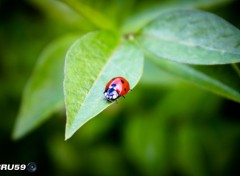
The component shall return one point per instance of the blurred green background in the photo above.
(165, 126)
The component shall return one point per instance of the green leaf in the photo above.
(220, 79)
(60, 13)
(43, 93)
(149, 77)
(146, 11)
(191, 36)
(90, 63)
(95, 17)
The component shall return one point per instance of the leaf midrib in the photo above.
(187, 44)
(100, 73)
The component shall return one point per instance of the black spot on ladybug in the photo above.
(125, 89)
(122, 81)
(113, 85)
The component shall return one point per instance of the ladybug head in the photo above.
(111, 94)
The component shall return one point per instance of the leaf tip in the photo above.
(67, 135)
(69, 131)
(17, 133)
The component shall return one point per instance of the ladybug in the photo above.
(115, 88)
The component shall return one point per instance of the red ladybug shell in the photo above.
(122, 85)
(116, 88)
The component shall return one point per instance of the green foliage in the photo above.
(90, 63)
(155, 28)
(146, 11)
(181, 117)
(43, 93)
(94, 16)
(208, 77)
(193, 37)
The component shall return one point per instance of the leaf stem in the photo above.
(96, 18)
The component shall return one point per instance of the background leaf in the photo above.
(208, 77)
(59, 13)
(146, 11)
(191, 36)
(87, 10)
(90, 63)
(43, 93)
(149, 77)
